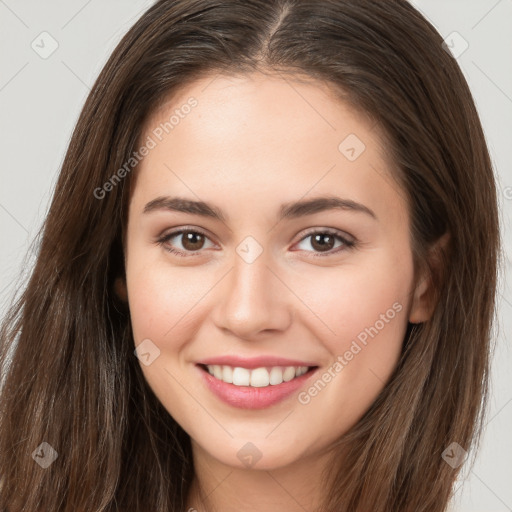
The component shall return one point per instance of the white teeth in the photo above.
(217, 371)
(241, 376)
(276, 375)
(301, 370)
(257, 377)
(289, 373)
(227, 374)
(260, 378)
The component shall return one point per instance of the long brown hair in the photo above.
(72, 380)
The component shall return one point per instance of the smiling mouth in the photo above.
(256, 377)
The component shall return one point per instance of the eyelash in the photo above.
(347, 244)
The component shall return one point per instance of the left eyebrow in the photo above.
(290, 210)
(319, 204)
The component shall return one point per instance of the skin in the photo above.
(251, 144)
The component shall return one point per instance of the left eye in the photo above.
(324, 242)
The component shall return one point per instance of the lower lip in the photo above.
(248, 397)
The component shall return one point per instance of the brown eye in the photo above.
(325, 242)
(185, 242)
(192, 241)
(322, 242)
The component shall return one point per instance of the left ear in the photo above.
(120, 289)
(425, 295)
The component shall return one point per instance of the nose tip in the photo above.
(252, 300)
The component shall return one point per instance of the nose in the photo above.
(253, 299)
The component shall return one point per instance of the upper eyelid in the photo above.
(332, 231)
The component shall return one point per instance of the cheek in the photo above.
(162, 300)
(365, 309)
(363, 312)
(164, 304)
(363, 355)
(351, 299)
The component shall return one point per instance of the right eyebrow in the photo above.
(179, 204)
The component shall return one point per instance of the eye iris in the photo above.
(321, 246)
(196, 240)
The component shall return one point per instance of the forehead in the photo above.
(229, 105)
(264, 138)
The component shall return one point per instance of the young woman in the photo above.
(267, 277)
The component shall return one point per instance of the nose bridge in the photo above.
(252, 298)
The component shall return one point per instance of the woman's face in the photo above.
(296, 257)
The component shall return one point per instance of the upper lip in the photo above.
(253, 362)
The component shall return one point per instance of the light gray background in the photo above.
(40, 100)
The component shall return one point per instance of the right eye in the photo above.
(192, 241)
